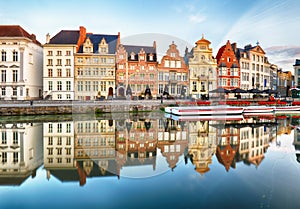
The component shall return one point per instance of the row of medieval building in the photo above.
(77, 65)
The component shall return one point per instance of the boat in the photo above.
(287, 109)
(205, 110)
(258, 109)
(204, 117)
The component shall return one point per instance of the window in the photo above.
(173, 54)
(194, 86)
(68, 72)
(58, 72)
(15, 76)
(142, 57)
(4, 138)
(50, 53)
(58, 62)
(58, 53)
(68, 128)
(68, 53)
(3, 56)
(151, 57)
(3, 75)
(160, 76)
(50, 128)
(50, 62)
(15, 56)
(59, 96)
(50, 85)
(50, 72)
(68, 85)
(151, 76)
(68, 62)
(15, 92)
(59, 85)
(3, 91)
(68, 142)
(167, 63)
(15, 157)
(59, 128)
(79, 60)
(103, 49)
(68, 96)
(50, 140)
(4, 157)
(15, 137)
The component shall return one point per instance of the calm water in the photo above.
(148, 161)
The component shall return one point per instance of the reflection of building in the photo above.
(21, 64)
(136, 70)
(172, 140)
(202, 66)
(296, 143)
(95, 67)
(173, 74)
(136, 142)
(59, 150)
(202, 145)
(21, 152)
(228, 145)
(95, 148)
(285, 82)
(283, 126)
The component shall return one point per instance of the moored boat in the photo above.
(205, 110)
(204, 117)
(258, 109)
(286, 109)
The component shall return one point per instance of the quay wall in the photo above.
(78, 107)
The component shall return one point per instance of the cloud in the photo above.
(197, 18)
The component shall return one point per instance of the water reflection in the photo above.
(78, 149)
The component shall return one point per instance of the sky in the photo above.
(274, 24)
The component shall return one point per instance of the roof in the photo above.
(65, 37)
(136, 50)
(17, 31)
(203, 40)
(297, 62)
(111, 40)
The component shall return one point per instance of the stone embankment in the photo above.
(45, 107)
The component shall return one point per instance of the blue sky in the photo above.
(274, 23)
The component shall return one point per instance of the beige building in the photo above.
(202, 69)
(95, 67)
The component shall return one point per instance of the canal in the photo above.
(144, 160)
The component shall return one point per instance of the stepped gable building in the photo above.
(95, 67)
(173, 74)
(228, 68)
(59, 51)
(21, 64)
(136, 71)
(202, 69)
(256, 71)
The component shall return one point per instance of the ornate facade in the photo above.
(202, 69)
(136, 72)
(173, 74)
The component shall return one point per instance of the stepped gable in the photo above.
(17, 31)
(136, 50)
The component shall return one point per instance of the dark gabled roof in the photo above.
(111, 40)
(65, 37)
(297, 62)
(16, 31)
(136, 50)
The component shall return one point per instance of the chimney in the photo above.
(47, 38)
(154, 44)
(119, 40)
(82, 36)
(33, 37)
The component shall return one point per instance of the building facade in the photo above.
(228, 71)
(285, 83)
(297, 73)
(255, 67)
(21, 64)
(202, 69)
(136, 71)
(173, 74)
(95, 67)
(58, 74)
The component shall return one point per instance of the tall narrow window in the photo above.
(50, 72)
(50, 85)
(15, 56)
(59, 85)
(15, 76)
(3, 56)
(68, 85)
(58, 72)
(3, 75)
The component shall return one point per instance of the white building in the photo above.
(58, 74)
(255, 67)
(21, 152)
(21, 64)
